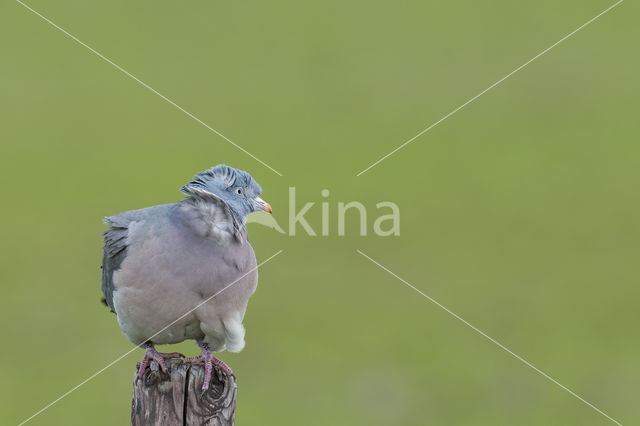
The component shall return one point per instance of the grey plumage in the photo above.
(115, 245)
(161, 262)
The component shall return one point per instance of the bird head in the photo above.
(236, 188)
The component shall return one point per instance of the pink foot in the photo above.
(209, 360)
(151, 353)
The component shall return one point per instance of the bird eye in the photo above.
(238, 190)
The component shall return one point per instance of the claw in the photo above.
(151, 353)
(209, 360)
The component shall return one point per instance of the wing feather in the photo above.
(115, 251)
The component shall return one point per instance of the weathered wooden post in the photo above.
(176, 397)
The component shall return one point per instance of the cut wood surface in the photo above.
(175, 397)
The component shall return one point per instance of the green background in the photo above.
(520, 212)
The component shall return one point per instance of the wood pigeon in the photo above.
(163, 262)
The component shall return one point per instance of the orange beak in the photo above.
(263, 205)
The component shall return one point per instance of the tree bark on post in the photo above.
(175, 397)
